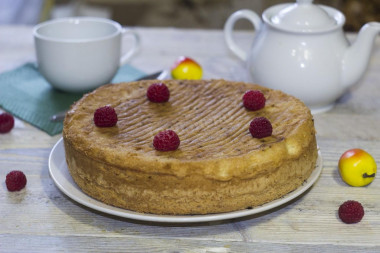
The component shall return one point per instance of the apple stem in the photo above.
(365, 175)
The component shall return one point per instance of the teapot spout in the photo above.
(356, 58)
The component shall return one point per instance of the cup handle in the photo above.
(229, 27)
(127, 32)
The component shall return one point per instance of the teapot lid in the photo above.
(303, 16)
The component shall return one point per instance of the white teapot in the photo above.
(300, 48)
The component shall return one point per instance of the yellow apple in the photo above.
(357, 167)
(186, 68)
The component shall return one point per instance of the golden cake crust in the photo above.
(218, 167)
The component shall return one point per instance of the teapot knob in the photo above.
(304, 1)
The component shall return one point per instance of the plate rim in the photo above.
(92, 203)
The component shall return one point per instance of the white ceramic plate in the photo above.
(62, 178)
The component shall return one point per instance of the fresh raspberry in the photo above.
(351, 211)
(158, 93)
(260, 127)
(254, 100)
(166, 140)
(15, 180)
(7, 122)
(105, 117)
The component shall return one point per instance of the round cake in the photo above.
(218, 167)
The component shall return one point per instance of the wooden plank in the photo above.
(35, 244)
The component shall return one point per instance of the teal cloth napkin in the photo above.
(28, 96)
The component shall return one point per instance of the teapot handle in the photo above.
(229, 26)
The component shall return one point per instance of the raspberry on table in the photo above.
(15, 180)
(158, 93)
(105, 116)
(260, 127)
(254, 100)
(166, 140)
(7, 122)
(351, 211)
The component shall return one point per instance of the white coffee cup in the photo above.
(81, 53)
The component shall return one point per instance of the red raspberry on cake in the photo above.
(15, 180)
(254, 100)
(7, 122)
(166, 140)
(105, 117)
(158, 93)
(260, 127)
(351, 211)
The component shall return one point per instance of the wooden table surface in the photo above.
(40, 218)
